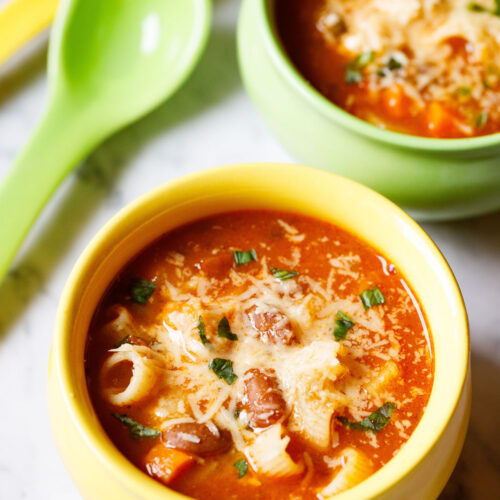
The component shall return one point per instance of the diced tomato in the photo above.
(217, 266)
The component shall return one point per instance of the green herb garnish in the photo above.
(242, 467)
(201, 331)
(481, 119)
(224, 330)
(343, 324)
(141, 290)
(464, 91)
(394, 64)
(353, 76)
(282, 274)
(475, 7)
(374, 422)
(137, 430)
(353, 73)
(364, 59)
(371, 298)
(241, 258)
(223, 368)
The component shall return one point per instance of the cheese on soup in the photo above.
(424, 67)
(259, 355)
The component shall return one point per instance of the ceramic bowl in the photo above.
(433, 179)
(418, 471)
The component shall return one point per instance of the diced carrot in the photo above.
(166, 464)
(441, 122)
(395, 102)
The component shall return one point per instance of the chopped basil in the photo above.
(464, 91)
(242, 467)
(241, 258)
(201, 331)
(353, 76)
(353, 73)
(394, 64)
(343, 324)
(282, 274)
(141, 290)
(224, 330)
(475, 7)
(364, 59)
(481, 119)
(137, 430)
(223, 368)
(374, 422)
(371, 298)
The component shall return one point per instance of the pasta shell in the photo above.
(356, 468)
(267, 454)
(144, 376)
(387, 374)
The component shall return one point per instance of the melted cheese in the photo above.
(314, 380)
(318, 376)
(421, 28)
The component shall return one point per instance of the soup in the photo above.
(259, 354)
(422, 67)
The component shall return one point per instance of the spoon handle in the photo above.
(21, 20)
(55, 147)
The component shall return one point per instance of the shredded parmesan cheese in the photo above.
(423, 29)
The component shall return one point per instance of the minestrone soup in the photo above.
(423, 67)
(259, 355)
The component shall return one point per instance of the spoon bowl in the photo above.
(121, 58)
(110, 62)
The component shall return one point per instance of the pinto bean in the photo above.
(272, 325)
(196, 438)
(263, 400)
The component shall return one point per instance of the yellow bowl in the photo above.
(422, 467)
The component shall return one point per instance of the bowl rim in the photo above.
(273, 44)
(117, 464)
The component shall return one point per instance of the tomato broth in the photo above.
(449, 88)
(258, 333)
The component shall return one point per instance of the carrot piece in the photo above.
(440, 121)
(166, 464)
(395, 102)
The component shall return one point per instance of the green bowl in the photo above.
(433, 179)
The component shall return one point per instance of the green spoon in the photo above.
(109, 63)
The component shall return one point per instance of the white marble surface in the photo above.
(210, 121)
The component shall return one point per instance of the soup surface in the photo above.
(422, 67)
(259, 355)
